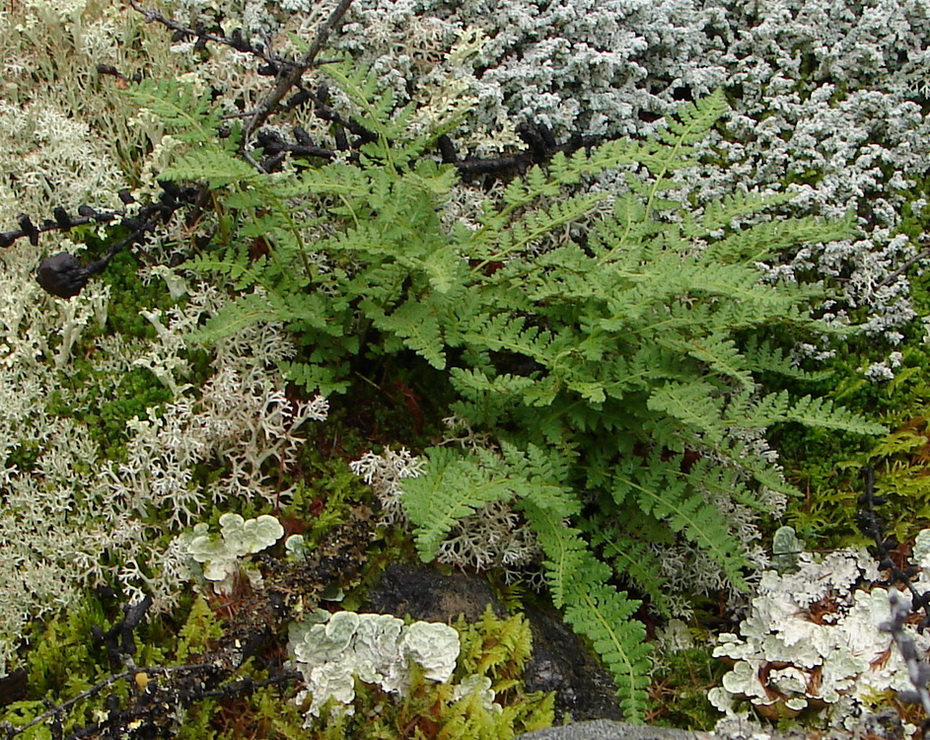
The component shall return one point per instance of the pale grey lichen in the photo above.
(223, 559)
(72, 517)
(374, 648)
(385, 473)
(812, 642)
(494, 536)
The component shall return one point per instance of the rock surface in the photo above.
(561, 662)
(603, 729)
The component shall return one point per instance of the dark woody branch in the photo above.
(288, 77)
(873, 526)
(235, 40)
(62, 274)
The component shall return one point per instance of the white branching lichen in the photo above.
(72, 517)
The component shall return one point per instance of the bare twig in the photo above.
(872, 525)
(906, 266)
(918, 671)
(235, 40)
(100, 686)
(289, 76)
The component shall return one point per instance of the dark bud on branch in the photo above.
(62, 275)
(237, 42)
(171, 190)
(298, 98)
(447, 149)
(62, 218)
(920, 601)
(342, 141)
(270, 141)
(28, 228)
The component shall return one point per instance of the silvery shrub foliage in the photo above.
(829, 101)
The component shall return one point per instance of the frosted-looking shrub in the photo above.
(827, 98)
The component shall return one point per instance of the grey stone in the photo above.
(603, 729)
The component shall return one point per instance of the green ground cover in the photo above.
(592, 366)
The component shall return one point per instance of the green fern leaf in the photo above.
(661, 491)
(822, 412)
(417, 325)
(453, 487)
(213, 165)
(578, 583)
(696, 405)
(318, 378)
(722, 213)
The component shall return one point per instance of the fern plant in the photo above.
(614, 351)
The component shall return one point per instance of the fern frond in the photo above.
(416, 324)
(318, 378)
(509, 333)
(454, 486)
(751, 411)
(218, 168)
(691, 122)
(630, 550)
(721, 214)
(579, 583)
(764, 357)
(242, 273)
(822, 412)
(662, 491)
(243, 312)
(190, 117)
(721, 355)
(474, 384)
(697, 406)
(759, 241)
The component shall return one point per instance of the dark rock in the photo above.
(561, 662)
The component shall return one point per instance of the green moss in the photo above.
(679, 689)
(493, 648)
(103, 404)
(21, 713)
(62, 660)
(129, 294)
